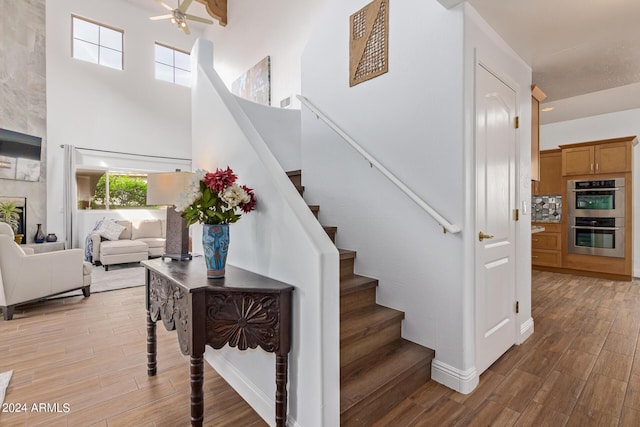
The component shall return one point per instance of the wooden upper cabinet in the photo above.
(550, 173)
(598, 157)
(577, 161)
(537, 96)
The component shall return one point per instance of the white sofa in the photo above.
(27, 277)
(138, 241)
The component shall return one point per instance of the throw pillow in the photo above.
(110, 230)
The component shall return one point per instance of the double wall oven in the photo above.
(596, 217)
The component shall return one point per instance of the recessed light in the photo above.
(545, 109)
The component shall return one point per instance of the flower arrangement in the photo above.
(215, 198)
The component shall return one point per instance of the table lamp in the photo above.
(163, 189)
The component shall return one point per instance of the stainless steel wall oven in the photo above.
(599, 198)
(597, 236)
(596, 217)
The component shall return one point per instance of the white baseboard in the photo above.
(461, 381)
(260, 402)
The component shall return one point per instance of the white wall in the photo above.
(280, 129)
(411, 120)
(97, 107)
(604, 126)
(302, 256)
(257, 28)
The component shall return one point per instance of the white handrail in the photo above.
(446, 225)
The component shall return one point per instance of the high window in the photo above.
(173, 65)
(93, 42)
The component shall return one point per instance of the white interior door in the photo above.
(495, 186)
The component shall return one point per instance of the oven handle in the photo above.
(595, 228)
(579, 190)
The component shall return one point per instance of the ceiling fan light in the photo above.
(173, 20)
(183, 24)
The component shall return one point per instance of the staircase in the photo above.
(378, 368)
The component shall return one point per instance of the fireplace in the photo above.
(21, 203)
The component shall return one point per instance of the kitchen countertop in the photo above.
(537, 229)
(546, 221)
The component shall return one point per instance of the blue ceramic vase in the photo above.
(215, 243)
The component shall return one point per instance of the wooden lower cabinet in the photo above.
(546, 246)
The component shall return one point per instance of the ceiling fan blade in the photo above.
(163, 4)
(198, 19)
(184, 5)
(155, 18)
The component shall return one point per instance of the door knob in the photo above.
(482, 236)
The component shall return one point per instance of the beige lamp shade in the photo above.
(163, 188)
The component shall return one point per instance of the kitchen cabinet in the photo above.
(598, 157)
(546, 246)
(537, 96)
(550, 182)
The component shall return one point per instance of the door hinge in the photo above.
(517, 307)
(516, 214)
(517, 122)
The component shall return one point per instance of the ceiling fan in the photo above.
(180, 16)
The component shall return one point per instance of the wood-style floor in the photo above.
(91, 355)
(580, 368)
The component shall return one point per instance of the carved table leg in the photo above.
(197, 400)
(281, 390)
(151, 346)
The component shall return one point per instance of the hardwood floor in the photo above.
(91, 355)
(580, 368)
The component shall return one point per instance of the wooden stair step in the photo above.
(315, 209)
(374, 385)
(300, 189)
(347, 262)
(366, 322)
(357, 292)
(295, 177)
(331, 232)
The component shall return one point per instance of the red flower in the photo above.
(251, 204)
(220, 179)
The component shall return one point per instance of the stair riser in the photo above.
(378, 404)
(346, 268)
(357, 300)
(296, 179)
(331, 234)
(357, 348)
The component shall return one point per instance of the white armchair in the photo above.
(29, 277)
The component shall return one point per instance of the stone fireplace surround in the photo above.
(23, 93)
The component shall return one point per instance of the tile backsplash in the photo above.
(546, 208)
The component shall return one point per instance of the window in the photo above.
(97, 43)
(111, 189)
(173, 65)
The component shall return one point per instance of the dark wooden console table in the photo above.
(244, 310)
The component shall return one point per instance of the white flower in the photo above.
(234, 195)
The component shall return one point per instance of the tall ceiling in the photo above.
(585, 54)
(574, 47)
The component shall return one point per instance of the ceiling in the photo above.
(574, 47)
(585, 54)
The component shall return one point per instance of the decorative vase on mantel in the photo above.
(39, 237)
(215, 243)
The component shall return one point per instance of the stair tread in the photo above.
(363, 322)
(381, 371)
(346, 253)
(356, 283)
(314, 207)
(330, 227)
(294, 172)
